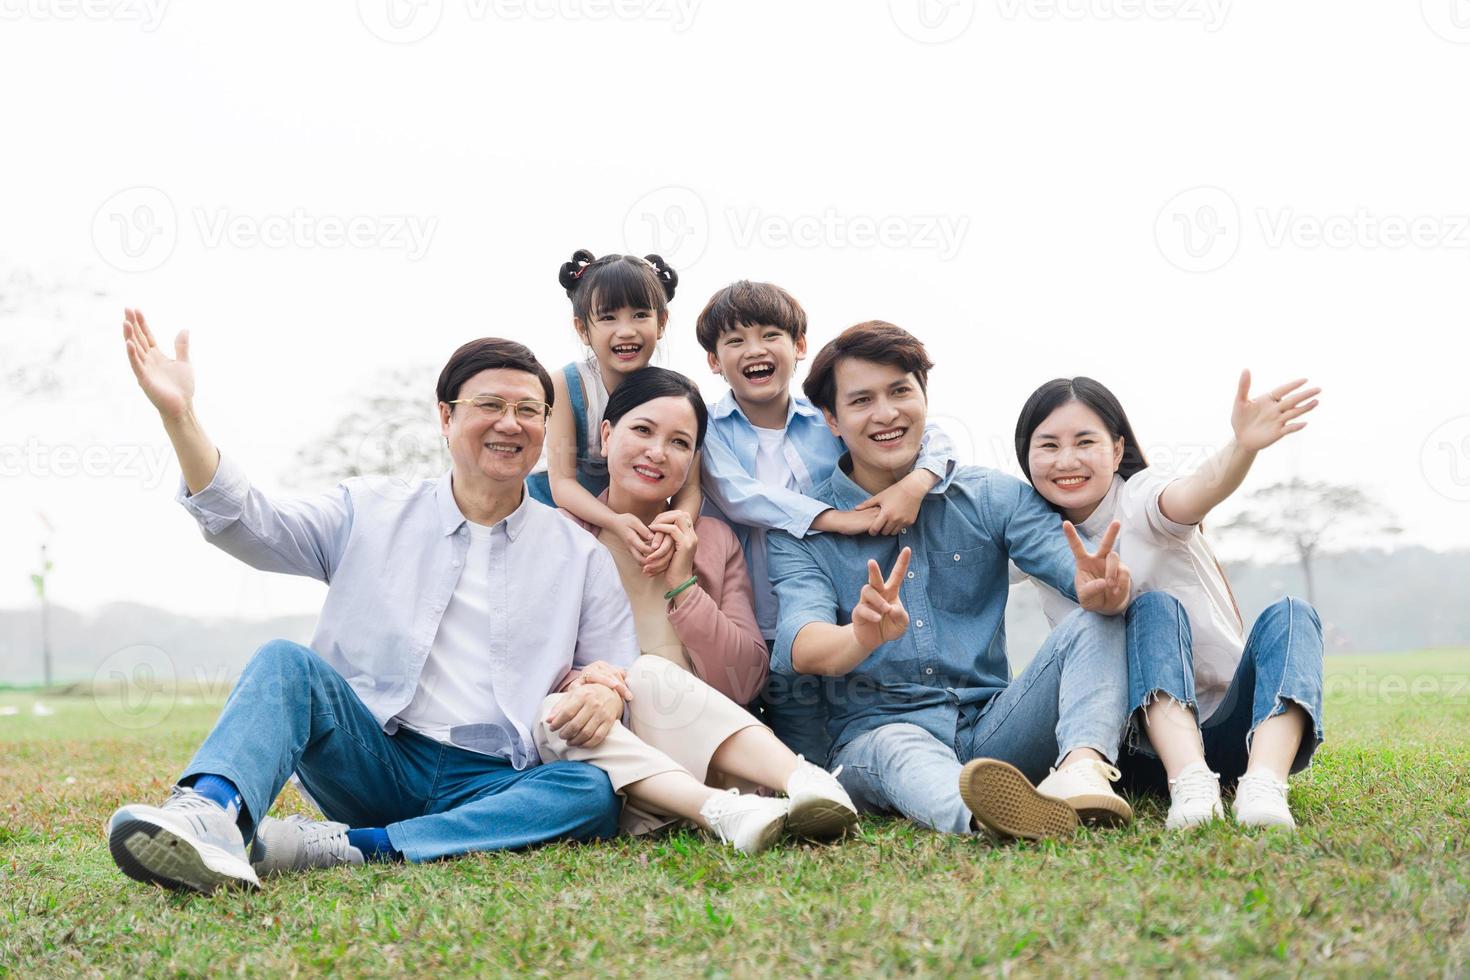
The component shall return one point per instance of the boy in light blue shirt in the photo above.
(765, 452)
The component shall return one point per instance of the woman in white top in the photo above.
(1212, 700)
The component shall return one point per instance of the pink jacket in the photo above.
(716, 622)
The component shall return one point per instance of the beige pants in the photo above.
(675, 723)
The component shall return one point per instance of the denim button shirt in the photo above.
(391, 554)
(953, 655)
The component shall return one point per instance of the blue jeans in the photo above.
(1282, 663)
(290, 711)
(1073, 695)
(793, 706)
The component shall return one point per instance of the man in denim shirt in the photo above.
(924, 719)
(454, 606)
(765, 451)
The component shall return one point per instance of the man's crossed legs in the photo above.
(404, 796)
(1067, 709)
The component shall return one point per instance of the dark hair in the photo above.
(646, 384)
(1058, 392)
(487, 354)
(753, 304)
(613, 282)
(876, 340)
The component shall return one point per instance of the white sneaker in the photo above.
(1086, 786)
(1194, 798)
(189, 843)
(299, 843)
(820, 808)
(1260, 801)
(748, 823)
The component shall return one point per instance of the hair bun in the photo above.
(666, 274)
(570, 276)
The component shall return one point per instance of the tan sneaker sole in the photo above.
(1005, 802)
(1102, 811)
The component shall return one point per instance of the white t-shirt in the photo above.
(1163, 556)
(773, 468)
(455, 699)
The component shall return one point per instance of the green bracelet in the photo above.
(673, 592)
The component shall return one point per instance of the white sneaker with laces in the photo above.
(189, 843)
(748, 823)
(1260, 801)
(1086, 786)
(298, 843)
(820, 808)
(1194, 798)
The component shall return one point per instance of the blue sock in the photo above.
(374, 844)
(221, 791)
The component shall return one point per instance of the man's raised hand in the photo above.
(1103, 583)
(167, 381)
(879, 617)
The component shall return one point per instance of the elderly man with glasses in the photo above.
(455, 605)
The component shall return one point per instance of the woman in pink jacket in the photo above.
(686, 748)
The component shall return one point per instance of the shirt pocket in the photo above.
(959, 580)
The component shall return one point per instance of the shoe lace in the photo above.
(322, 839)
(185, 799)
(718, 808)
(1198, 784)
(1253, 786)
(802, 765)
(1099, 773)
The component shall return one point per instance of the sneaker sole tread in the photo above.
(1003, 801)
(155, 855)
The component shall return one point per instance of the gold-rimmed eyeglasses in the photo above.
(527, 412)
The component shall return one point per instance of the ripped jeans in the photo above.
(1282, 663)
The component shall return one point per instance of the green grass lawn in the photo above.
(1376, 882)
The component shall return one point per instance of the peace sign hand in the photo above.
(879, 617)
(1103, 583)
(1259, 422)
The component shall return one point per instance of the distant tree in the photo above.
(1311, 518)
(392, 430)
(31, 350)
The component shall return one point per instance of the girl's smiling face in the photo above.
(1073, 458)
(622, 340)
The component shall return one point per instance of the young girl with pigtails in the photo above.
(619, 310)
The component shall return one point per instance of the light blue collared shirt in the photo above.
(391, 554)
(953, 655)
(751, 508)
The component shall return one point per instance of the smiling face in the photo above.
(650, 450)
(880, 415)
(757, 362)
(503, 449)
(622, 340)
(1073, 458)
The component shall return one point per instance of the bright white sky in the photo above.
(1022, 196)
